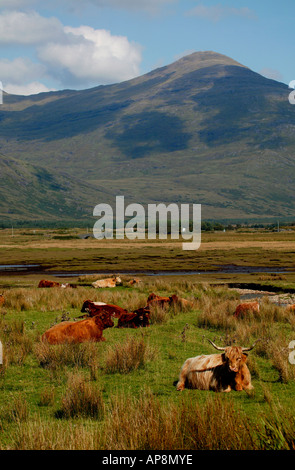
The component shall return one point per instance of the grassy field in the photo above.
(120, 394)
(63, 251)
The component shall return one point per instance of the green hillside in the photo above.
(204, 130)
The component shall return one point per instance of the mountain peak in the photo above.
(201, 59)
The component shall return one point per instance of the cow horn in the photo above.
(251, 347)
(216, 347)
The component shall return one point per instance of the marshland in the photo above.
(120, 394)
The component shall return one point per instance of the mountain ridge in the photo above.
(204, 129)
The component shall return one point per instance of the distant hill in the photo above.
(204, 130)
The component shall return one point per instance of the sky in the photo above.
(79, 44)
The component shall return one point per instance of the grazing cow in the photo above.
(89, 329)
(218, 372)
(2, 300)
(96, 308)
(138, 318)
(110, 282)
(45, 283)
(246, 308)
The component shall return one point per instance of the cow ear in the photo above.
(244, 357)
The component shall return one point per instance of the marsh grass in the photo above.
(144, 423)
(54, 357)
(47, 397)
(132, 354)
(17, 344)
(101, 396)
(18, 410)
(81, 399)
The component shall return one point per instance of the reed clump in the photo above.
(132, 354)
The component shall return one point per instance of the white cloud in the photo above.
(21, 76)
(31, 88)
(218, 12)
(20, 70)
(91, 56)
(71, 57)
(18, 27)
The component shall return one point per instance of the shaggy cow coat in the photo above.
(218, 372)
(45, 283)
(246, 308)
(136, 319)
(89, 329)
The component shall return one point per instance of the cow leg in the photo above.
(239, 387)
(228, 389)
(246, 378)
(182, 376)
(181, 382)
(180, 386)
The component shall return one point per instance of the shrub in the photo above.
(68, 354)
(81, 399)
(130, 355)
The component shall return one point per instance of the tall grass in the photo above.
(70, 355)
(144, 423)
(81, 399)
(130, 355)
(17, 343)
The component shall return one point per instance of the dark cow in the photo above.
(96, 308)
(218, 372)
(137, 319)
(2, 300)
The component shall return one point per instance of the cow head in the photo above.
(104, 320)
(86, 305)
(233, 356)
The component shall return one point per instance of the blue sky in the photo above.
(58, 44)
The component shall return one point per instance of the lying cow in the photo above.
(2, 300)
(96, 308)
(184, 303)
(154, 300)
(110, 282)
(134, 282)
(89, 329)
(246, 307)
(218, 372)
(45, 283)
(137, 319)
(68, 286)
